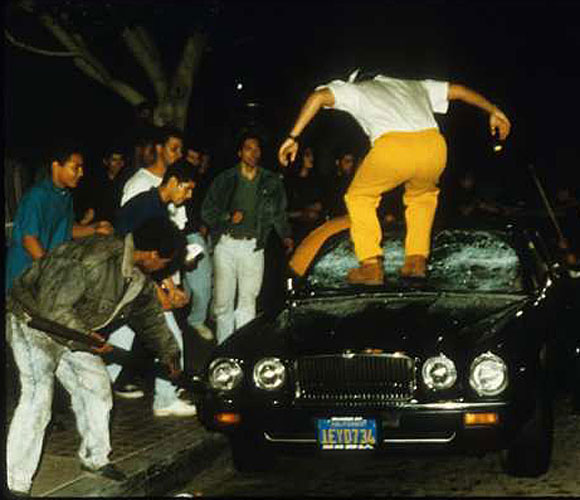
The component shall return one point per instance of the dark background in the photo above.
(521, 55)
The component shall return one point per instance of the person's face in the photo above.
(179, 192)
(467, 182)
(152, 262)
(114, 164)
(193, 157)
(250, 153)
(308, 159)
(69, 174)
(346, 164)
(148, 155)
(171, 151)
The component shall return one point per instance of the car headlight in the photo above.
(488, 375)
(269, 374)
(224, 374)
(439, 373)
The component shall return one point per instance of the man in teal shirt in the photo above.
(45, 216)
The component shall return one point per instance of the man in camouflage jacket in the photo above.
(85, 285)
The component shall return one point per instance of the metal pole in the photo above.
(546, 203)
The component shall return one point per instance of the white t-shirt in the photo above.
(142, 181)
(386, 104)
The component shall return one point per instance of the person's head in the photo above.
(467, 180)
(193, 154)
(145, 148)
(345, 163)
(250, 150)
(114, 161)
(205, 162)
(177, 183)
(159, 247)
(168, 144)
(308, 158)
(67, 163)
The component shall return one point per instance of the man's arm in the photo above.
(102, 227)
(316, 100)
(33, 247)
(497, 119)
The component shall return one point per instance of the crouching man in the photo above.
(84, 285)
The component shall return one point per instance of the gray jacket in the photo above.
(85, 284)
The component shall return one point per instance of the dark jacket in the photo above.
(87, 283)
(270, 209)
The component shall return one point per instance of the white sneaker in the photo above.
(204, 332)
(177, 409)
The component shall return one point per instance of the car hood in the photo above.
(417, 325)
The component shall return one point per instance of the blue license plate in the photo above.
(347, 433)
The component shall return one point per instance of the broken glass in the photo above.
(461, 260)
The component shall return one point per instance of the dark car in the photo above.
(460, 361)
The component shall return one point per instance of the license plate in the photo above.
(347, 433)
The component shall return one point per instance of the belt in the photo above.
(238, 237)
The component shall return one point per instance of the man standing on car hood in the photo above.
(407, 148)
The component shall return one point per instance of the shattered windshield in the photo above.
(461, 260)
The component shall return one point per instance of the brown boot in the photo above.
(415, 266)
(370, 272)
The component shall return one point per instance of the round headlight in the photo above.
(224, 374)
(269, 374)
(439, 373)
(488, 375)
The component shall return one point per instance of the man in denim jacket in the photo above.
(85, 285)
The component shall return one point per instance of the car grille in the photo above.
(354, 380)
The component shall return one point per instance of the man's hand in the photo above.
(288, 151)
(88, 217)
(498, 121)
(288, 244)
(173, 368)
(178, 298)
(104, 227)
(237, 217)
(104, 348)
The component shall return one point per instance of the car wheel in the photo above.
(530, 453)
(249, 451)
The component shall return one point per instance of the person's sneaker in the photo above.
(20, 494)
(129, 391)
(204, 332)
(108, 471)
(370, 273)
(177, 409)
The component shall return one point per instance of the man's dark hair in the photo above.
(248, 135)
(112, 149)
(65, 149)
(181, 170)
(341, 152)
(162, 235)
(162, 134)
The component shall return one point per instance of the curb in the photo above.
(152, 471)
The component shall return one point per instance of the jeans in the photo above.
(39, 358)
(237, 265)
(199, 283)
(165, 391)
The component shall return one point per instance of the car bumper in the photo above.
(435, 426)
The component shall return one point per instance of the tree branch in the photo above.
(147, 55)
(35, 50)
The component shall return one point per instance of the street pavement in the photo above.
(156, 453)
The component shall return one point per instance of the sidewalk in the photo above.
(156, 453)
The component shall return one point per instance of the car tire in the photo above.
(530, 453)
(250, 452)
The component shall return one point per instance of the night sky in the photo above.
(521, 55)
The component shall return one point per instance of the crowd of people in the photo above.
(146, 234)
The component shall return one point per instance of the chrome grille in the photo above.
(355, 379)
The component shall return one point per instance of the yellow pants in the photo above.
(415, 159)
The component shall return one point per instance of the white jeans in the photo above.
(237, 266)
(165, 391)
(83, 375)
